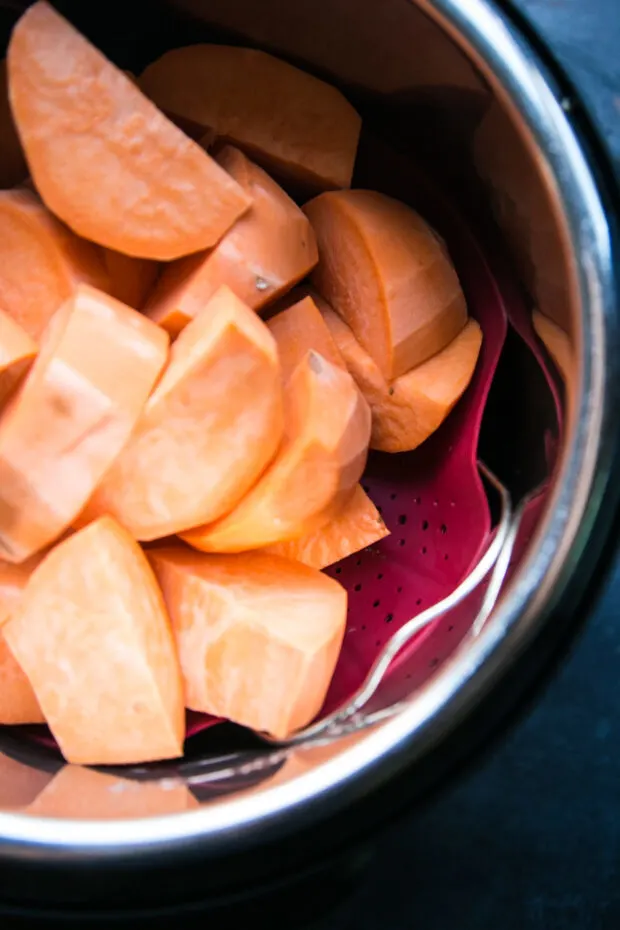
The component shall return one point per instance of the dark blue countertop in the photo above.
(530, 840)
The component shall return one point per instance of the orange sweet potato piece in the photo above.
(131, 279)
(71, 416)
(13, 167)
(92, 633)
(387, 274)
(298, 329)
(79, 792)
(17, 352)
(406, 411)
(288, 120)
(42, 261)
(209, 429)
(18, 703)
(355, 527)
(266, 252)
(557, 344)
(327, 429)
(258, 636)
(102, 157)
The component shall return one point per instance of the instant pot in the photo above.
(481, 125)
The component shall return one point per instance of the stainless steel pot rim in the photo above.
(516, 74)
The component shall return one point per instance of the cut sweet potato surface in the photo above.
(323, 454)
(42, 261)
(72, 415)
(406, 411)
(104, 159)
(387, 274)
(258, 636)
(17, 352)
(131, 280)
(297, 330)
(268, 250)
(93, 636)
(291, 122)
(355, 527)
(211, 426)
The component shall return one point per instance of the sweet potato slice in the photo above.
(79, 792)
(290, 121)
(210, 428)
(13, 167)
(131, 280)
(92, 633)
(558, 345)
(258, 636)
(17, 352)
(406, 411)
(355, 527)
(298, 329)
(71, 416)
(102, 156)
(266, 252)
(42, 261)
(327, 428)
(387, 274)
(18, 703)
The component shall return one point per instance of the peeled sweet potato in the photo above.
(387, 274)
(17, 352)
(268, 250)
(299, 328)
(407, 410)
(288, 120)
(102, 156)
(258, 636)
(212, 425)
(71, 416)
(323, 454)
(42, 261)
(355, 527)
(92, 634)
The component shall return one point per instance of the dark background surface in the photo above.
(530, 840)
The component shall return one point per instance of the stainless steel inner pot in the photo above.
(456, 77)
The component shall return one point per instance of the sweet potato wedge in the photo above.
(71, 416)
(17, 352)
(298, 329)
(258, 636)
(268, 250)
(212, 425)
(42, 261)
(102, 156)
(289, 121)
(387, 274)
(327, 429)
(407, 410)
(92, 634)
(355, 527)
